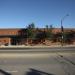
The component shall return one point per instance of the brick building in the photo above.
(7, 36)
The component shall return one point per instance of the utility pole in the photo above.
(62, 29)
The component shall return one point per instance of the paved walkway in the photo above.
(37, 46)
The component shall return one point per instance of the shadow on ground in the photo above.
(37, 72)
(31, 72)
(4, 72)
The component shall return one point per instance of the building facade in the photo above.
(13, 36)
(7, 35)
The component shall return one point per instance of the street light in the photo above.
(62, 30)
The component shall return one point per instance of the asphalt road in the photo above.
(33, 50)
(38, 63)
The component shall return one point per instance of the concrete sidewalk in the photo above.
(38, 46)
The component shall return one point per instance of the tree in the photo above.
(31, 26)
(41, 35)
(30, 32)
(68, 37)
(47, 27)
(56, 37)
(27, 33)
(44, 34)
(49, 33)
(51, 28)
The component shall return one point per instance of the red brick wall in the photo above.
(9, 31)
(5, 40)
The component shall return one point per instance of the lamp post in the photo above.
(62, 29)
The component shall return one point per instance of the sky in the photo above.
(20, 13)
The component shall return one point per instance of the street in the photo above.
(37, 63)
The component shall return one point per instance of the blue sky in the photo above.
(20, 13)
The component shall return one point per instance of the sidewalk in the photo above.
(36, 46)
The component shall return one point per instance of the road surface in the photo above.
(38, 63)
(35, 49)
